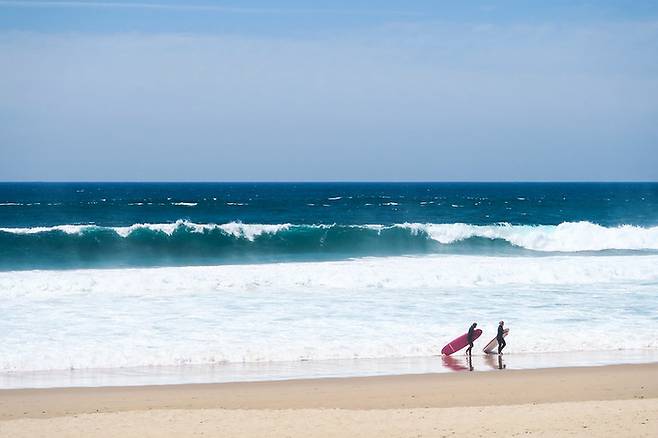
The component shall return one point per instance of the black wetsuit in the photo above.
(471, 335)
(501, 339)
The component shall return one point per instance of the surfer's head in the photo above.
(501, 323)
(475, 324)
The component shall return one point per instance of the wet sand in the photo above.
(619, 400)
(296, 370)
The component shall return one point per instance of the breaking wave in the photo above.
(183, 242)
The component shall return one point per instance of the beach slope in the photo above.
(619, 400)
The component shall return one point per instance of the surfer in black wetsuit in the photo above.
(500, 337)
(471, 335)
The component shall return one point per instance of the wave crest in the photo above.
(565, 237)
(182, 242)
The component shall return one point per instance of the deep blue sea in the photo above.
(117, 276)
(71, 225)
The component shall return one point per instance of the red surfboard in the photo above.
(459, 343)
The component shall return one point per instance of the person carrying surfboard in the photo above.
(471, 338)
(500, 337)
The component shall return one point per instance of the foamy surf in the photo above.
(365, 308)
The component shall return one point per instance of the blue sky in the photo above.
(291, 90)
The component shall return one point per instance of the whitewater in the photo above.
(364, 308)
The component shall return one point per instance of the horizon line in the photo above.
(328, 182)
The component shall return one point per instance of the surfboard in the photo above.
(459, 343)
(491, 346)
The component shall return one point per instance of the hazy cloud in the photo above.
(187, 6)
(418, 101)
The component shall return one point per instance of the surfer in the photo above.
(500, 337)
(471, 336)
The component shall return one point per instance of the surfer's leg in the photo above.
(468, 351)
(501, 345)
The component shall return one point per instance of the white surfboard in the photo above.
(493, 344)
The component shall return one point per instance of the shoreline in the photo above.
(316, 369)
(413, 391)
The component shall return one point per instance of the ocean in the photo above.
(127, 275)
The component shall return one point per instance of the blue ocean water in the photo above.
(73, 225)
(113, 276)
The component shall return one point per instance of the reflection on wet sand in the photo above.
(495, 361)
(453, 363)
(465, 363)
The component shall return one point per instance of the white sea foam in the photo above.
(377, 273)
(185, 204)
(10, 204)
(565, 237)
(68, 229)
(251, 231)
(335, 198)
(374, 307)
(163, 228)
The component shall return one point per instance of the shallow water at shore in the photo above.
(271, 371)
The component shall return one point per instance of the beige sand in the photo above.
(597, 401)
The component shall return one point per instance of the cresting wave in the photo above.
(565, 237)
(236, 229)
(184, 243)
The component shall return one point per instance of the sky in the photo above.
(157, 90)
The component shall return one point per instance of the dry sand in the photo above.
(615, 401)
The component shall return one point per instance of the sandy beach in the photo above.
(620, 400)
